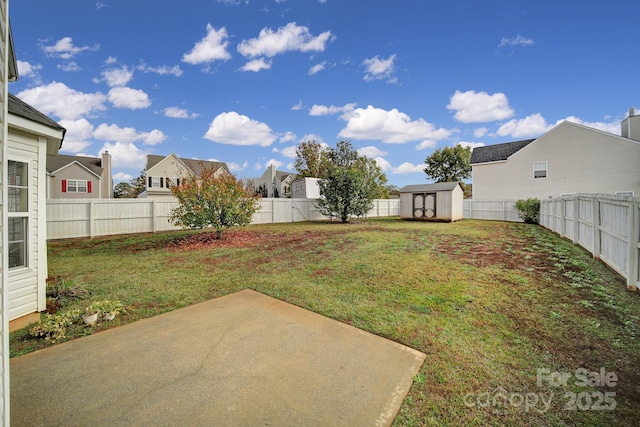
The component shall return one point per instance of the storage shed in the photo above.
(432, 202)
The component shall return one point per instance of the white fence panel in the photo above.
(496, 210)
(607, 226)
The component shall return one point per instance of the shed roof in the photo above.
(24, 110)
(498, 152)
(423, 188)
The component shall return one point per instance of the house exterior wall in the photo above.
(305, 188)
(170, 167)
(4, 271)
(268, 181)
(74, 171)
(579, 160)
(27, 285)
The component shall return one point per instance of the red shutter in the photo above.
(88, 186)
(64, 185)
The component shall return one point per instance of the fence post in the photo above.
(632, 259)
(595, 206)
(154, 226)
(576, 213)
(91, 214)
(273, 211)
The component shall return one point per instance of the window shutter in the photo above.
(161, 182)
(178, 182)
(64, 185)
(88, 186)
(150, 182)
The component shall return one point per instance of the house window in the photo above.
(77, 186)
(156, 182)
(540, 169)
(18, 212)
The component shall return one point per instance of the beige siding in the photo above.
(73, 171)
(169, 167)
(4, 320)
(579, 160)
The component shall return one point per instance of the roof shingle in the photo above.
(497, 152)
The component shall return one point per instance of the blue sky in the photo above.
(244, 81)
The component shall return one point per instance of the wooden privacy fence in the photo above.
(607, 226)
(103, 217)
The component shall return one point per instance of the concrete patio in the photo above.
(242, 359)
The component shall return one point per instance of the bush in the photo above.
(529, 210)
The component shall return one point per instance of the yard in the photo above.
(502, 310)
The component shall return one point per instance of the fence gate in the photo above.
(424, 205)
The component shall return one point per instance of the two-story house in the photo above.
(77, 177)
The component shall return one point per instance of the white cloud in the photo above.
(314, 137)
(125, 155)
(289, 38)
(317, 68)
(125, 97)
(407, 167)
(161, 70)
(380, 69)
(298, 106)
(471, 144)
(213, 47)
(100, 5)
(323, 110)
(516, 41)
(477, 107)
(530, 126)
(274, 162)
(288, 137)
(111, 60)
(76, 139)
(288, 152)
(121, 176)
(69, 67)
(26, 69)
(427, 143)
(127, 135)
(371, 152)
(613, 128)
(178, 113)
(117, 76)
(236, 129)
(256, 65)
(480, 132)
(383, 164)
(61, 101)
(235, 167)
(392, 126)
(65, 49)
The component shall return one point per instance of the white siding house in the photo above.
(569, 158)
(164, 171)
(275, 183)
(31, 137)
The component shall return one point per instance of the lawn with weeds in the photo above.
(504, 311)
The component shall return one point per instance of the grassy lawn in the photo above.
(490, 303)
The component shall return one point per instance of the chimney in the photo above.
(631, 126)
(107, 179)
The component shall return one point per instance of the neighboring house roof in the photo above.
(24, 110)
(497, 152)
(420, 188)
(284, 175)
(59, 161)
(196, 166)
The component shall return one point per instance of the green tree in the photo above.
(449, 164)
(209, 200)
(122, 190)
(350, 183)
(311, 159)
(138, 184)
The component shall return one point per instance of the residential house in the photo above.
(305, 188)
(31, 137)
(273, 183)
(569, 158)
(77, 177)
(164, 171)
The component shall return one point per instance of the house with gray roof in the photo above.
(275, 183)
(164, 171)
(569, 158)
(79, 177)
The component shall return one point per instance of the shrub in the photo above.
(54, 327)
(528, 210)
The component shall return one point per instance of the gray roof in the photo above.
(195, 165)
(425, 188)
(497, 152)
(24, 110)
(56, 162)
(283, 175)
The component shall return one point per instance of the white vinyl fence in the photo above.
(607, 226)
(103, 217)
(496, 210)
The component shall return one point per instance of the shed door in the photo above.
(424, 205)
